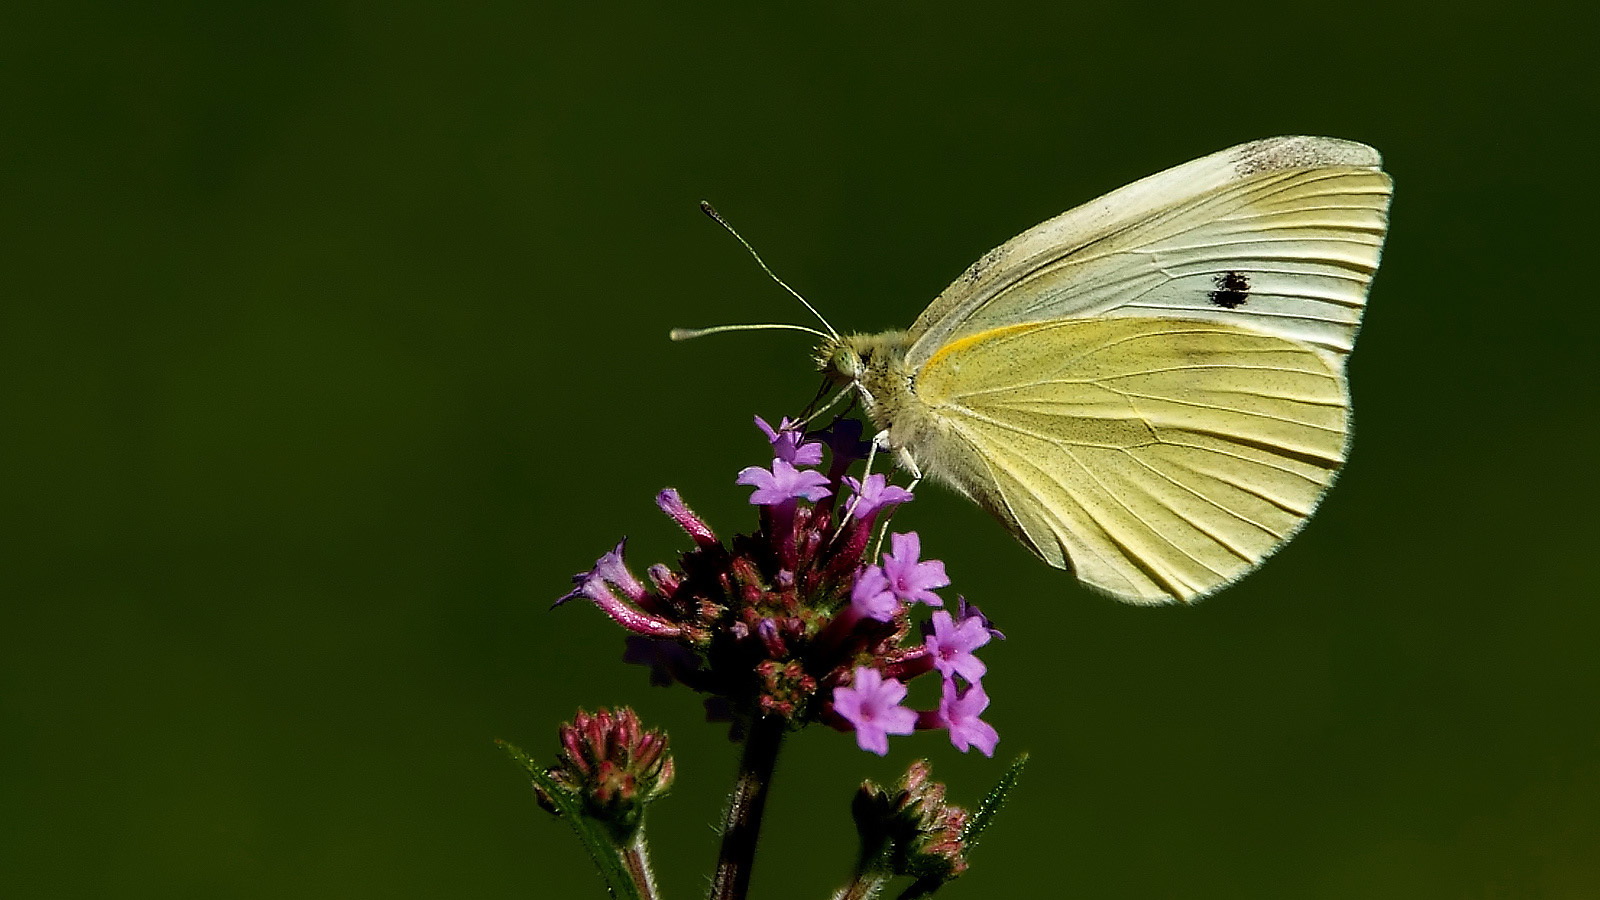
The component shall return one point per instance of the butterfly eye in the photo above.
(848, 362)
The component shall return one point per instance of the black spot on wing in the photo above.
(1233, 289)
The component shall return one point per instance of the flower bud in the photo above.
(911, 830)
(672, 504)
(614, 766)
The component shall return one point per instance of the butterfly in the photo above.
(1148, 390)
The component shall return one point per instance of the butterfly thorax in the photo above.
(875, 366)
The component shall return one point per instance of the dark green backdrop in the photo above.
(332, 340)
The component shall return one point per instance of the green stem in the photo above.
(864, 887)
(637, 860)
(742, 827)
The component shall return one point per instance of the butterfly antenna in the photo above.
(708, 209)
(689, 334)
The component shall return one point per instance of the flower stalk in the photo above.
(741, 829)
(636, 858)
(864, 886)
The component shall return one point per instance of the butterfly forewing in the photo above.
(1160, 458)
(1281, 236)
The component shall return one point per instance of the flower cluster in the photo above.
(614, 765)
(797, 620)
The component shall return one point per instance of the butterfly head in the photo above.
(851, 358)
(839, 361)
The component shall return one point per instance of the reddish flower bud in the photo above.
(614, 765)
(911, 830)
(672, 504)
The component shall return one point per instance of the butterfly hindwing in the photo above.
(1160, 458)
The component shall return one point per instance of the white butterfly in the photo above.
(1149, 389)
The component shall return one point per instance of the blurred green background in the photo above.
(333, 342)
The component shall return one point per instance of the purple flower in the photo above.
(965, 610)
(596, 586)
(872, 704)
(951, 642)
(910, 579)
(789, 444)
(875, 494)
(797, 619)
(959, 712)
(672, 504)
(611, 569)
(783, 483)
(870, 596)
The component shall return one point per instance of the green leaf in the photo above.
(992, 802)
(595, 838)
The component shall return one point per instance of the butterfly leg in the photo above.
(810, 417)
(907, 462)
